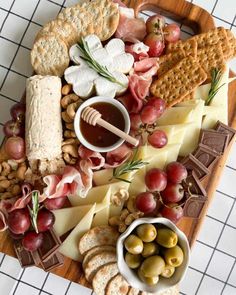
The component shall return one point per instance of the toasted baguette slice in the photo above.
(98, 236)
(133, 291)
(117, 286)
(103, 276)
(96, 250)
(97, 262)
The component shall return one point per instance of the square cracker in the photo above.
(189, 47)
(232, 44)
(210, 57)
(168, 61)
(178, 82)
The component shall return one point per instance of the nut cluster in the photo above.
(12, 174)
(69, 103)
(127, 216)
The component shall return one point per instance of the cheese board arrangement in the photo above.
(112, 157)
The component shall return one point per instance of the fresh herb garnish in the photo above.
(216, 75)
(34, 211)
(134, 164)
(93, 64)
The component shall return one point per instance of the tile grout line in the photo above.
(226, 282)
(223, 252)
(8, 12)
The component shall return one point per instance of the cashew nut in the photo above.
(6, 169)
(69, 134)
(20, 173)
(114, 220)
(6, 195)
(68, 99)
(22, 160)
(70, 126)
(16, 189)
(13, 164)
(70, 141)
(71, 150)
(0, 168)
(66, 89)
(68, 159)
(2, 177)
(66, 117)
(5, 183)
(72, 108)
(11, 175)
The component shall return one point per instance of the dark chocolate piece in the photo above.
(193, 185)
(206, 155)
(50, 245)
(54, 261)
(225, 129)
(36, 257)
(25, 257)
(191, 163)
(193, 206)
(216, 140)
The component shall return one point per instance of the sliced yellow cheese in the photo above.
(173, 153)
(188, 103)
(101, 217)
(115, 210)
(137, 185)
(158, 159)
(175, 116)
(102, 177)
(69, 247)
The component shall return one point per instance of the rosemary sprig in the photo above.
(216, 75)
(134, 164)
(34, 211)
(93, 64)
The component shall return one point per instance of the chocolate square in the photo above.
(54, 261)
(225, 129)
(50, 245)
(215, 140)
(191, 163)
(206, 155)
(193, 185)
(193, 206)
(25, 257)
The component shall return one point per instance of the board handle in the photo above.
(185, 12)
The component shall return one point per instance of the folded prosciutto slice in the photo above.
(118, 156)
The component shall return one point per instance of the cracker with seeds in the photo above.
(178, 82)
(232, 43)
(189, 47)
(168, 61)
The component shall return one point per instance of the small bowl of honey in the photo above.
(97, 138)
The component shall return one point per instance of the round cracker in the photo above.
(133, 291)
(49, 56)
(117, 286)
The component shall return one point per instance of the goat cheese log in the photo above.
(43, 134)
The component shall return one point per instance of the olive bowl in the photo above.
(164, 283)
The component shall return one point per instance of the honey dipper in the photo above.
(93, 117)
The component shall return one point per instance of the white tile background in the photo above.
(213, 265)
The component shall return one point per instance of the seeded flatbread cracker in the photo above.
(117, 286)
(96, 262)
(64, 29)
(232, 44)
(168, 61)
(189, 47)
(103, 276)
(96, 250)
(210, 57)
(49, 56)
(133, 291)
(171, 291)
(181, 80)
(98, 236)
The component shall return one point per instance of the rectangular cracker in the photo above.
(189, 47)
(168, 61)
(180, 81)
(232, 44)
(210, 57)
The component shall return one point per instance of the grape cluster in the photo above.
(165, 192)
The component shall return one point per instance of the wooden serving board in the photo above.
(200, 21)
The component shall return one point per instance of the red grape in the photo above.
(15, 147)
(157, 103)
(18, 112)
(11, 128)
(32, 241)
(155, 23)
(53, 204)
(145, 202)
(149, 115)
(156, 180)
(135, 121)
(173, 193)
(172, 33)
(45, 220)
(176, 172)
(158, 139)
(19, 221)
(156, 44)
(172, 212)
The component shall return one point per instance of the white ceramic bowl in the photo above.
(164, 283)
(89, 102)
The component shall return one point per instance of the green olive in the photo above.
(147, 232)
(174, 256)
(133, 244)
(166, 237)
(150, 249)
(149, 281)
(133, 261)
(153, 266)
(168, 271)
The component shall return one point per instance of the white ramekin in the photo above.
(164, 283)
(89, 102)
